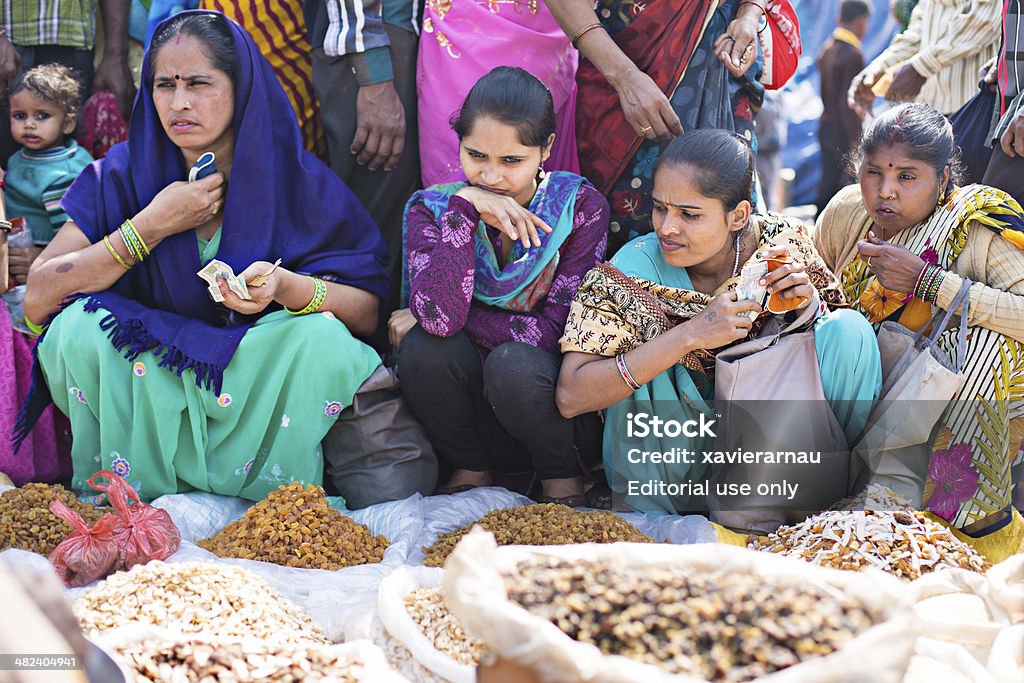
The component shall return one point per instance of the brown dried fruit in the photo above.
(26, 522)
(545, 524)
(720, 626)
(295, 526)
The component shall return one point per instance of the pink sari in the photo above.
(42, 456)
(461, 41)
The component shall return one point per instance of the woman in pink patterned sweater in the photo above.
(491, 268)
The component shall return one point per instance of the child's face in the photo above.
(37, 123)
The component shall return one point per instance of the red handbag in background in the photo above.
(780, 44)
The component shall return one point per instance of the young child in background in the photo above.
(43, 104)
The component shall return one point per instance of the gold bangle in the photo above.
(5, 225)
(579, 34)
(113, 252)
(319, 296)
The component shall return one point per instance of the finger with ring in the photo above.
(868, 261)
(646, 129)
(747, 53)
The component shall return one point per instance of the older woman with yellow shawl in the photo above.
(902, 242)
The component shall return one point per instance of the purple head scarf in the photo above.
(282, 202)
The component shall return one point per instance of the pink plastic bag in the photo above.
(89, 552)
(142, 532)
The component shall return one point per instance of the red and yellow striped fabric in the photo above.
(279, 30)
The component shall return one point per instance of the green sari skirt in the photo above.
(283, 390)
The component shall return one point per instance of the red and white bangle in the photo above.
(620, 363)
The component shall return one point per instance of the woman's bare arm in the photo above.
(70, 264)
(644, 104)
(589, 382)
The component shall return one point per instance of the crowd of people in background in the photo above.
(538, 213)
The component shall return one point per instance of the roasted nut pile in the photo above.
(26, 522)
(721, 626)
(296, 527)
(428, 609)
(217, 662)
(219, 601)
(901, 542)
(546, 524)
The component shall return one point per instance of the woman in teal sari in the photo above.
(643, 330)
(164, 384)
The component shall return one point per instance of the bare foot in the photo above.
(469, 478)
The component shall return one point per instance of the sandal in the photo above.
(599, 497)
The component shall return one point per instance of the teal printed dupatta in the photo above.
(527, 276)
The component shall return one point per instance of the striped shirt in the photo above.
(947, 42)
(70, 23)
(356, 27)
(279, 32)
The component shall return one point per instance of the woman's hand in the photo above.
(399, 324)
(737, 47)
(183, 206)
(646, 107)
(20, 260)
(506, 214)
(860, 97)
(723, 321)
(262, 296)
(896, 267)
(789, 281)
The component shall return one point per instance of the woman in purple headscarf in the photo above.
(163, 383)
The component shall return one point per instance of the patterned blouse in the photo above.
(440, 261)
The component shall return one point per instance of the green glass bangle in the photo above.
(319, 297)
(35, 329)
(129, 244)
(138, 237)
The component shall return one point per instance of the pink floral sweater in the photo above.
(440, 261)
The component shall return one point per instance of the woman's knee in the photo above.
(426, 357)
(75, 326)
(847, 336)
(517, 374)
